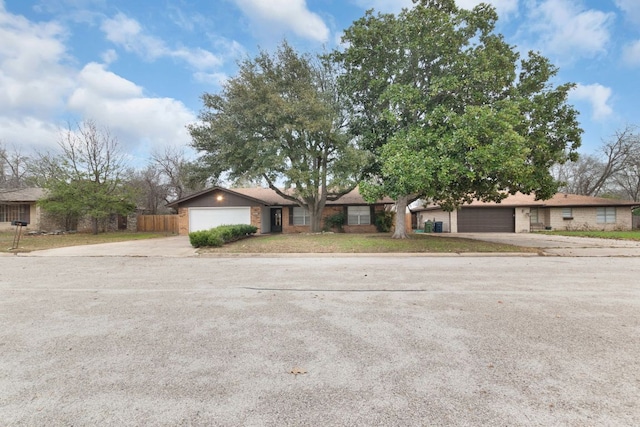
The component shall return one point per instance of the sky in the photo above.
(138, 68)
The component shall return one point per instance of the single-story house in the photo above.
(20, 205)
(268, 211)
(521, 213)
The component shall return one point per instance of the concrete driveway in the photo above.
(169, 247)
(560, 245)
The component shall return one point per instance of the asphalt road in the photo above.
(348, 341)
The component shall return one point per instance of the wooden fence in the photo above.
(158, 223)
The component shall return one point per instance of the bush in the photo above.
(218, 236)
(203, 238)
(336, 221)
(384, 221)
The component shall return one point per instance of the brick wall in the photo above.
(183, 221)
(327, 211)
(256, 217)
(586, 219)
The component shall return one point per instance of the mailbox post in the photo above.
(16, 237)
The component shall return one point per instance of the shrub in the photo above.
(384, 221)
(202, 238)
(218, 236)
(336, 221)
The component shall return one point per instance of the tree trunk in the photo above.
(94, 225)
(401, 209)
(315, 216)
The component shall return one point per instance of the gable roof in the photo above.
(21, 195)
(558, 200)
(269, 197)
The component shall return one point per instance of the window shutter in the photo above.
(372, 214)
(290, 215)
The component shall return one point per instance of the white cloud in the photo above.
(631, 8)
(41, 88)
(26, 50)
(121, 106)
(109, 56)
(597, 95)
(285, 15)
(504, 7)
(631, 53)
(566, 30)
(29, 133)
(385, 6)
(128, 33)
(213, 79)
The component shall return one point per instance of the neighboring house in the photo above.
(521, 213)
(268, 211)
(20, 205)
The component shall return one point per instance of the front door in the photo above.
(276, 220)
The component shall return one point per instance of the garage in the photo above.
(206, 218)
(486, 220)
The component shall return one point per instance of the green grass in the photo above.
(360, 243)
(39, 242)
(620, 235)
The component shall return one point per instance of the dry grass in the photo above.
(360, 243)
(49, 241)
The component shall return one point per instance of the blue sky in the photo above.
(139, 67)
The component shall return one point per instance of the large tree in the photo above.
(281, 121)
(85, 177)
(449, 110)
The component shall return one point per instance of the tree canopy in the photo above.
(450, 111)
(281, 121)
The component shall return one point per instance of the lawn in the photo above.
(360, 243)
(620, 235)
(49, 241)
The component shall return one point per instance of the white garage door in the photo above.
(206, 218)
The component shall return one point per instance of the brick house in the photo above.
(20, 205)
(268, 211)
(521, 213)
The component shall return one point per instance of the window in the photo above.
(10, 213)
(534, 216)
(567, 213)
(301, 216)
(358, 215)
(606, 215)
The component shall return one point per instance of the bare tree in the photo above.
(177, 172)
(149, 191)
(628, 179)
(13, 168)
(596, 174)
